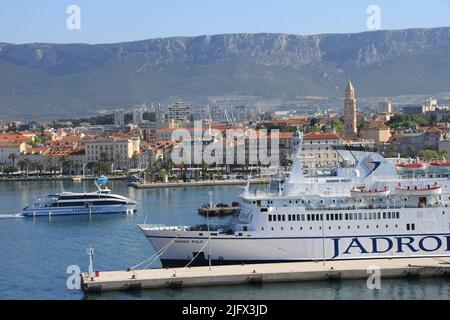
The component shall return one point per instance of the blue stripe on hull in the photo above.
(300, 238)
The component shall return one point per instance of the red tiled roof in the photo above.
(290, 121)
(321, 136)
(433, 130)
(10, 143)
(14, 137)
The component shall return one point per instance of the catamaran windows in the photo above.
(378, 215)
(346, 216)
(289, 217)
(308, 217)
(411, 227)
(108, 203)
(264, 210)
(68, 204)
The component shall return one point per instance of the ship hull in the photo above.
(181, 248)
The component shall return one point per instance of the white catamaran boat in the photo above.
(101, 201)
(364, 212)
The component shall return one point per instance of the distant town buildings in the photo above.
(376, 131)
(318, 150)
(117, 151)
(384, 107)
(138, 115)
(179, 111)
(119, 117)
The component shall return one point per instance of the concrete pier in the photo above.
(263, 273)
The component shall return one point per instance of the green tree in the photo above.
(338, 125)
(428, 155)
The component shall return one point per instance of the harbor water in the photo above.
(35, 253)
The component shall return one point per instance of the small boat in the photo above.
(419, 190)
(101, 201)
(220, 209)
(363, 192)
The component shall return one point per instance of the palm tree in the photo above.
(12, 157)
(39, 167)
(27, 163)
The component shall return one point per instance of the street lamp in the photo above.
(209, 233)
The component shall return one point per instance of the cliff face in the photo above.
(66, 79)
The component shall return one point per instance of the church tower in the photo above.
(351, 127)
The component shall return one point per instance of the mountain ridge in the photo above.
(75, 79)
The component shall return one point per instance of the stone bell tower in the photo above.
(350, 118)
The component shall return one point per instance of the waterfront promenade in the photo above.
(206, 183)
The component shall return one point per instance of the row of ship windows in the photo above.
(409, 227)
(335, 216)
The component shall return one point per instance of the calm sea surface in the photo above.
(35, 253)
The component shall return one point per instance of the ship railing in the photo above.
(384, 207)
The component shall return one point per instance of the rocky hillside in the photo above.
(59, 80)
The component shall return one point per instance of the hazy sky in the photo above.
(104, 21)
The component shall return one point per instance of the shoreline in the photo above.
(75, 179)
(155, 185)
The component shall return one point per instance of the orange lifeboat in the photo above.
(418, 166)
(419, 190)
(363, 192)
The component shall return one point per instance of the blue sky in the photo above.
(102, 21)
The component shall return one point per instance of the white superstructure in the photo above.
(366, 211)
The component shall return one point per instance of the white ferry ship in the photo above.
(101, 201)
(364, 212)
